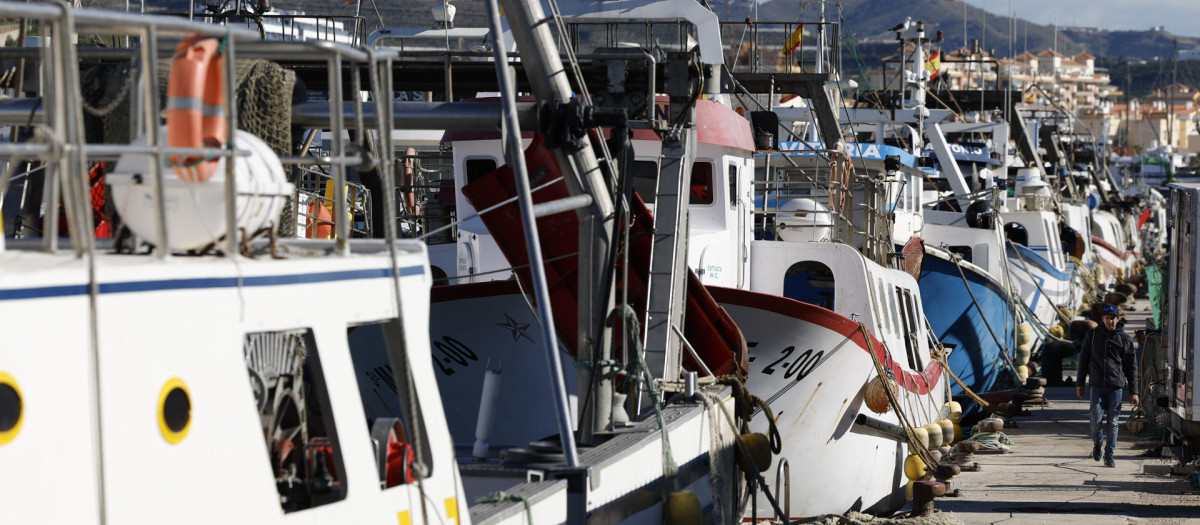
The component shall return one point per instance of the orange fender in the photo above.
(196, 105)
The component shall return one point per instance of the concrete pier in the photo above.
(1051, 479)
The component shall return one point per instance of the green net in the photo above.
(864, 81)
(1154, 283)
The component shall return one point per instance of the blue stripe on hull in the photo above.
(976, 358)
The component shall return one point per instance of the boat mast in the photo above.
(1171, 104)
(514, 156)
(821, 41)
(548, 81)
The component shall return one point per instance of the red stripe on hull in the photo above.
(917, 383)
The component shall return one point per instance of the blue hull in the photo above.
(976, 358)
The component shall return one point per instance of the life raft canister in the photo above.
(196, 105)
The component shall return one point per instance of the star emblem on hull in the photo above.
(518, 329)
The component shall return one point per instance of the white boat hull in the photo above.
(811, 365)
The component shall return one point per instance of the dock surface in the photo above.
(1051, 479)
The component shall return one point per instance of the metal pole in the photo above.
(231, 240)
(341, 224)
(149, 79)
(515, 156)
(548, 81)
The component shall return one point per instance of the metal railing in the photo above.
(295, 27)
(61, 145)
(848, 205)
(772, 47)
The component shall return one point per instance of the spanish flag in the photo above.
(793, 40)
(933, 64)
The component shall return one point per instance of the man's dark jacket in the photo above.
(1107, 359)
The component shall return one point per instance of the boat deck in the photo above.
(1050, 478)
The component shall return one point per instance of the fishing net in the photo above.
(264, 95)
(106, 112)
(1154, 283)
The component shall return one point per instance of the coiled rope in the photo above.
(501, 497)
(744, 405)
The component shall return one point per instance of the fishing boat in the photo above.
(253, 406)
(826, 316)
(553, 270)
(969, 297)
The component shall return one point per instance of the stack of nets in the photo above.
(264, 101)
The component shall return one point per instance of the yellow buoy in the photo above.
(957, 433)
(1024, 334)
(908, 490)
(760, 451)
(876, 396)
(955, 411)
(915, 467)
(1056, 331)
(921, 436)
(947, 431)
(935, 435)
(681, 508)
(1021, 356)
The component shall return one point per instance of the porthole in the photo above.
(11, 408)
(174, 411)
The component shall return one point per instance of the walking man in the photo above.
(1107, 359)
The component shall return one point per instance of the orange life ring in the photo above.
(320, 221)
(196, 105)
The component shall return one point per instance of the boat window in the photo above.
(1016, 233)
(914, 193)
(809, 282)
(880, 304)
(701, 191)
(906, 320)
(297, 421)
(965, 251)
(390, 400)
(894, 308)
(1053, 244)
(440, 278)
(914, 321)
(645, 179)
(733, 186)
(479, 167)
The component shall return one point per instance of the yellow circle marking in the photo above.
(172, 436)
(10, 434)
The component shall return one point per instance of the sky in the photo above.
(1181, 17)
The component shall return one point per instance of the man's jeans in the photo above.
(1106, 407)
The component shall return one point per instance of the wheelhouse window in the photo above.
(385, 384)
(297, 422)
(1016, 233)
(701, 188)
(478, 167)
(733, 186)
(810, 282)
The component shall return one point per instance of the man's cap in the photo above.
(1110, 309)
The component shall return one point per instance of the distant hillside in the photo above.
(1148, 77)
(866, 23)
(392, 12)
(869, 20)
